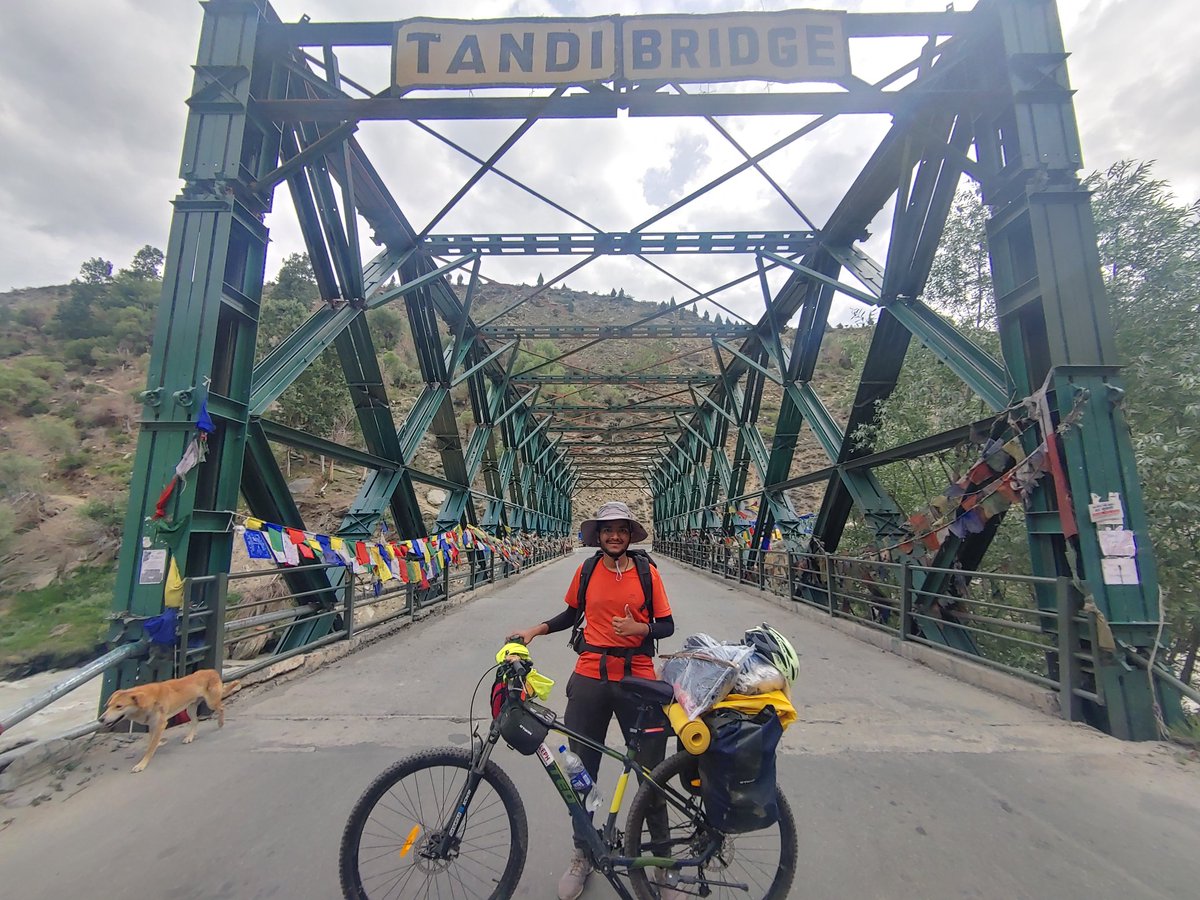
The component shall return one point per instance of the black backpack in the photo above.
(642, 561)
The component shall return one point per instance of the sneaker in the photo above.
(570, 886)
(662, 878)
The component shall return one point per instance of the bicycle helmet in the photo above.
(775, 649)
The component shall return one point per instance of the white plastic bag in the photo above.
(757, 676)
(703, 672)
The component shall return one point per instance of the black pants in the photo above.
(591, 705)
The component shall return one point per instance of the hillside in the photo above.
(75, 359)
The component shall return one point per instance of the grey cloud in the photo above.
(92, 111)
(1136, 73)
(665, 184)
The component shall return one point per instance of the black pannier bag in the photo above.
(737, 771)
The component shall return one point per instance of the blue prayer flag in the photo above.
(256, 544)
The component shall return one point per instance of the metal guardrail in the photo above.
(1030, 627)
(96, 667)
(206, 629)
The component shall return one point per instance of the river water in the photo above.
(76, 708)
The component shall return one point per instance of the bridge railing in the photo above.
(1032, 628)
(214, 617)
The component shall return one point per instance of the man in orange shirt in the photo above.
(618, 639)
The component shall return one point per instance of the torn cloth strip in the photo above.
(160, 508)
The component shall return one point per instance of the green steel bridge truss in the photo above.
(987, 97)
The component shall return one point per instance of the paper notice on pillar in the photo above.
(154, 567)
(1117, 542)
(1106, 512)
(1118, 570)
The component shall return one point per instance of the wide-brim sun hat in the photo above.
(612, 511)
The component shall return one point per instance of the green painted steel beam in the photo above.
(763, 370)
(615, 378)
(829, 280)
(621, 243)
(596, 106)
(293, 437)
(383, 33)
(977, 369)
(481, 364)
(400, 291)
(647, 331)
(327, 143)
(639, 407)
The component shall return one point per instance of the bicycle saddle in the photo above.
(649, 689)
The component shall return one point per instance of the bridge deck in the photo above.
(905, 782)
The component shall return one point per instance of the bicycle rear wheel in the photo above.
(386, 845)
(764, 860)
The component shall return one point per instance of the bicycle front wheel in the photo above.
(391, 846)
(764, 860)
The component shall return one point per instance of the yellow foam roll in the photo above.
(694, 735)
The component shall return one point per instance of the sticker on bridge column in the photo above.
(154, 567)
(1106, 512)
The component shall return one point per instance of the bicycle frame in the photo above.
(601, 842)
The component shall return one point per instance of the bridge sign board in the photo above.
(789, 46)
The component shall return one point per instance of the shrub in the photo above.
(55, 434)
(81, 353)
(72, 462)
(21, 392)
(108, 513)
(8, 527)
(18, 474)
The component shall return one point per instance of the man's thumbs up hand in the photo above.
(627, 625)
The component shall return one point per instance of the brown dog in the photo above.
(154, 704)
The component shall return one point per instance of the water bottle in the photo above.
(580, 780)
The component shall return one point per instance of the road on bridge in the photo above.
(905, 783)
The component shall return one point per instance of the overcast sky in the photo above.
(92, 112)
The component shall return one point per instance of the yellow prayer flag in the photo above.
(381, 569)
(173, 588)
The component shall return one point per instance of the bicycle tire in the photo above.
(766, 859)
(422, 789)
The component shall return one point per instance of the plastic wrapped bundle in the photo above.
(757, 676)
(703, 672)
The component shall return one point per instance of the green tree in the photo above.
(146, 264)
(318, 399)
(106, 318)
(534, 353)
(960, 279)
(1150, 261)
(96, 271)
(387, 326)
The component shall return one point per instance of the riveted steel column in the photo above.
(207, 322)
(1055, 324)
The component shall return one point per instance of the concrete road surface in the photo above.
(905, 783)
